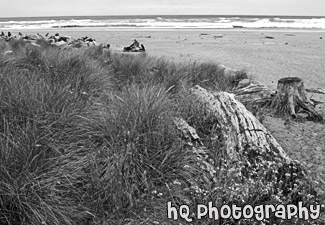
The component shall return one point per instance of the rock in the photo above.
(318, 148)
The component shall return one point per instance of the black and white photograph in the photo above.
(162, 112)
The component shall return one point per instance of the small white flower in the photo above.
(177, 182)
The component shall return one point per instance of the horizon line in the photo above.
(124, 15)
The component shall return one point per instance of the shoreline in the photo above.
(71, 29)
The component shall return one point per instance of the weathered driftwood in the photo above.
(316, 102)
(134, 47)
(291, 98)
(251, 93)
(247, 144)
(203, 159)
(316, 90)
(240, 129)
(63, 42)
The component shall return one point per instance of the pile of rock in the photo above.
(56, 40)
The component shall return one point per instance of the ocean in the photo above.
(166, 22)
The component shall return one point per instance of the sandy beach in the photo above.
(298, 53)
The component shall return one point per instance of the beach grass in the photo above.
(87, 137)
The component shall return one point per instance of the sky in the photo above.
(31, 8)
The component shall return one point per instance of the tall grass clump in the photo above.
(142, 150)
(130, 69)
(141, 69)
(42, 93)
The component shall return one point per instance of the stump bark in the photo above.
(291, 99)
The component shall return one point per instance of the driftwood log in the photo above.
(135, 47)
(316, 90)
(195, 145)
(239, 127)
(248, 145)
(253, 93)
(291, 99)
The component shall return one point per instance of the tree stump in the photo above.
(291, 98)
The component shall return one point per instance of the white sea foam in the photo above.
(178, 22)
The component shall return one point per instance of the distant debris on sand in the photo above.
(135, 47)
(269, 37)
(203, 34)
(55, 40)
(316, 90)
(218, 36)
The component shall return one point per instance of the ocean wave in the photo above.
(209, 22)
